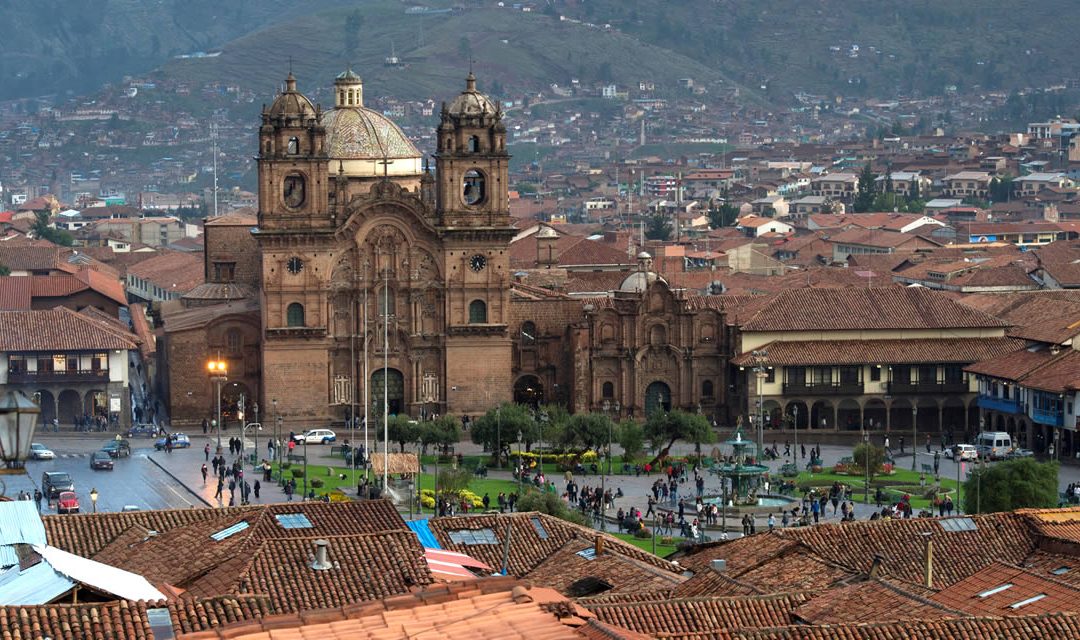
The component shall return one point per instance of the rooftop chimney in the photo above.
(929, 558)
(599, 544)
(322, 562)
(875, 566)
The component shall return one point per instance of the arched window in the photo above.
(386, 301)
(473, 145)
(473, 189)
(707, 389)
(658, 334)
(528, 334)
(294, 145)
(294, 315)
(477, 312)
(608, 390)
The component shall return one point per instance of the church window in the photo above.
(232, 340)
(608, 390)
(294, 146)
(477, 312)
(528, 334)
(386, 301)
(224, 271)
(707, 389)
(294, 315)
(474, 144)
(658, 334)
(473, 189)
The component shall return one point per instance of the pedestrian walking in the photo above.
(206, 451)
(772, 521)
(288, 490)
(220, 486)
(256, 488)
(37, 498)
(204, 474)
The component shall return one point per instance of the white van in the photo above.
(993, 445)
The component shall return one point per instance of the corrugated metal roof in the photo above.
(126, 585)
(423, 532)
(38, 584)
(20, 523)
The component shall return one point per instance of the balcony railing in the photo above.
(69, 375)
(957, 386)
(1052, 418)
(824, 388)
(1004, 405)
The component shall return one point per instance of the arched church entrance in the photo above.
(529, 390)
(657, 397)
(394, 390)
(231, 394)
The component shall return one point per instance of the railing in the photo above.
(958, 386)
(1005, 405)
(1052, 418)
(824, 388)
(74, 375)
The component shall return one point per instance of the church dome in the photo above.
(639, 281)
(354, 132)
(357, 133)
(291, 103)
(470, 103)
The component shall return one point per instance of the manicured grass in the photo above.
(333, 481)
(646, 544)
(903, 477)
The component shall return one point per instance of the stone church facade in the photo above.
(368, 276)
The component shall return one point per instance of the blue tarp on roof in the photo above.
(423, 532)
(38, 584)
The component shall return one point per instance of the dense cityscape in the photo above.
(421, 340)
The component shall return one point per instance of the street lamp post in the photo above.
(18, 420)
(914, 434)
(795, 424)
(866, 467)
(761, 358)
(219, 372)
(93, 499)
(258, 427)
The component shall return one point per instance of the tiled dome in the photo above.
(357, 133)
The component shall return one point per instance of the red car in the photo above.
(68, 502)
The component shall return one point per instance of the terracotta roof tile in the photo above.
(860, 352)
(58, 329)
(690, 615)
(565, 567)
(1001, 590)
(870, 601)
(1055, 626)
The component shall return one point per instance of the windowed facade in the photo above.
(528, 334)
(386, 302)
(294, 315)
(477, 312)
(607, 390)
(224, 271)
(707, 390)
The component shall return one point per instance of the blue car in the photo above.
(179, 441)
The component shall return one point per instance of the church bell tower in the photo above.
(473, 213)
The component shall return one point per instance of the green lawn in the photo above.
(646, 544)
(900, 477)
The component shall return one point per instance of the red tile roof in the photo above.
(861, 352)
(1003, 590)
(690, 615)
(58, 329)
(845, 309)
(16, 293)
(871, 601)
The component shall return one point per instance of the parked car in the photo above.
(316, 436)
(993, 445)
(53, 483)
(962, 452)
(117, 448)
(101, 460)
(68, 502)
(39, 451)
(179, 441)
(1019, 452)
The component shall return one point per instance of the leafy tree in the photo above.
(631, 439)
(1001, 189)
(674, 425)
(452, 481)
(402, 429)
(723, 216)
(864, 197)
(442, 432)
(550, 504)
(1009, 485)
(659, 228)
(500, 427)
(913, 194)
(868, 455)
(4, 271)
(43, 231)
(553, 419)
(587, 431)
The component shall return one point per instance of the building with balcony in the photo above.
(875, 359)
(72, 364)
(836, 186)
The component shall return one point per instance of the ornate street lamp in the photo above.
(18, 420)
(219, 372)
(93, 498)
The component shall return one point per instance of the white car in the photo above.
(316, 436)
(39, 451)
(962, 452)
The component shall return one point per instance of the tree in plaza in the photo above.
(670, 426)
(631, 439)
(658, 227)
(864, 196)
(1010, 485)
(500, 427)
(867, 455)
(452, 481)
(587, 431)
(442, 432)
(553, 419)
(550, 504)
(402, 429)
